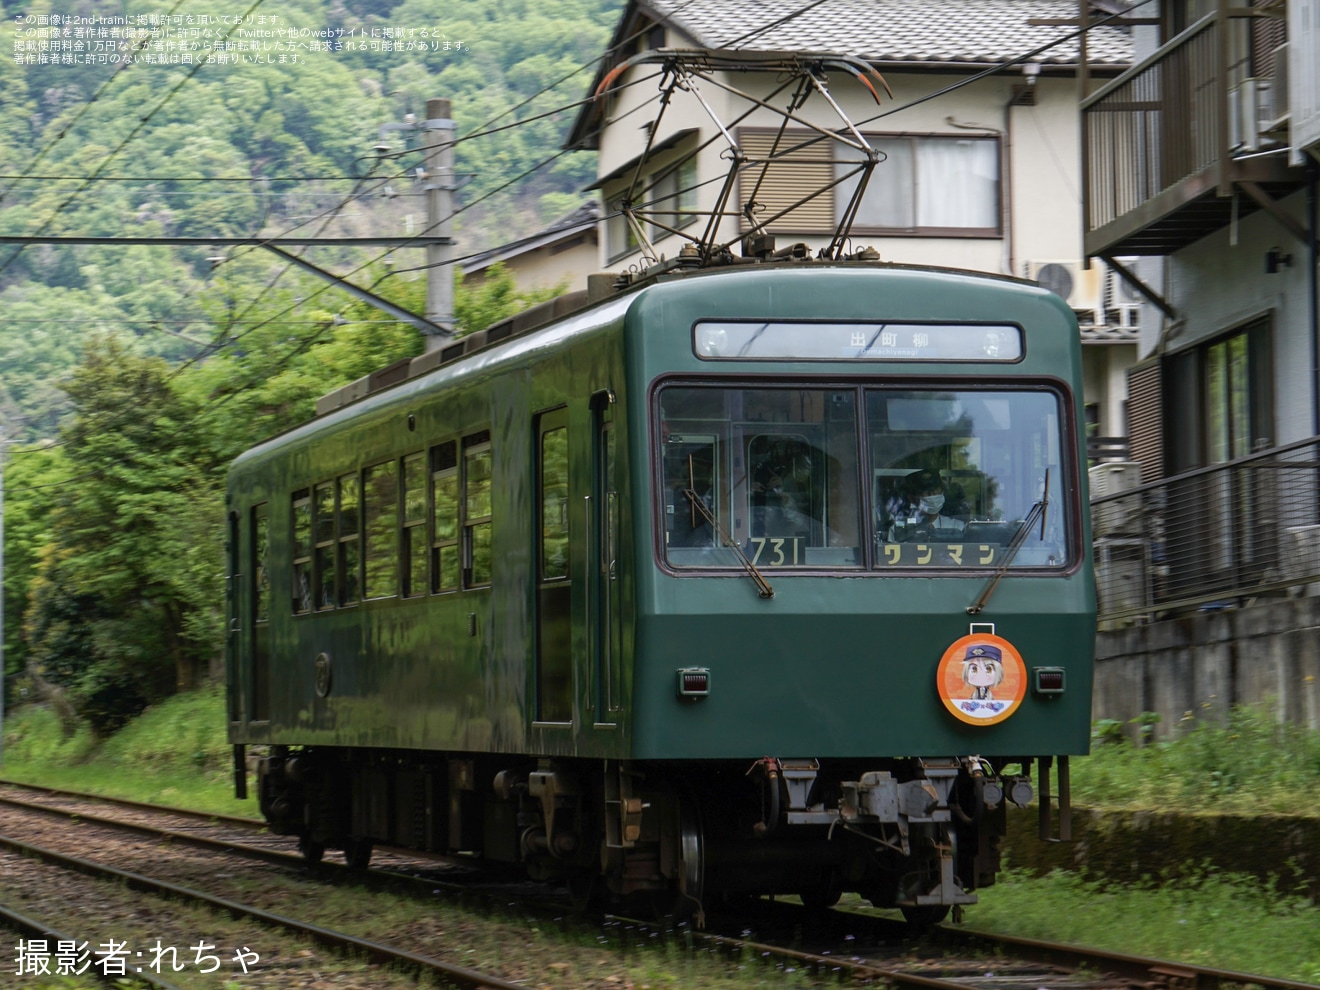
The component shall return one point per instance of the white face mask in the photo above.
(931, 504)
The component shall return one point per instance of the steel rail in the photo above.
(1143, 968)
(339, 941)
(125, 802)
(215, 845)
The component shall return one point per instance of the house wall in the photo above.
(1042, 177)
(545, 268)
(1220, 283)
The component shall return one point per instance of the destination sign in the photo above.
(803, 341)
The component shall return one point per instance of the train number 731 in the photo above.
(778, 552)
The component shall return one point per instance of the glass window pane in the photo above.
(349, 560)
(889, 200)
(380, 555)
(302, 527)
(348, 505)
(554, 504)
(446, 507)
(415, 578)
(325, 513)
(958, 183)
(955, 476)
(325, 576)
(414, 488)
(446, 568)
(481, 554)
(302, 586)
(773, 470)
(478, 482)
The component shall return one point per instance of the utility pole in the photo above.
(439, 126)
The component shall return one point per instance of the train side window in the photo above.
(323, 561)
(477, 460)
(302, 551)
(350, 556)
(554, 504)
(444, 511)
(415, 549)
(380, 503)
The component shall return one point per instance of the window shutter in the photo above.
(788, 178)
(1146, 419)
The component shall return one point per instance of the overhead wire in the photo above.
(133, 132)
(544, 162)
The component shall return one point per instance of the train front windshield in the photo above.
(863, 478)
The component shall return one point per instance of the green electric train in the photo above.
(765, 579)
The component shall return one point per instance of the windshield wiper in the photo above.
(1038, 511)
(699, 504)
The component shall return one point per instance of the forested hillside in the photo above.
(133, 373)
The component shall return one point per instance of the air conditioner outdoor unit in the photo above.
(1301, 554)
(1120, 578)
(1250, 108)
(1081, 288)
(1123, 298)
(1122, 515)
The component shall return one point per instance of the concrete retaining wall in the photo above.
(1205, 664)
(1129, 847)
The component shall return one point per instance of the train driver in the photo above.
(922, 516)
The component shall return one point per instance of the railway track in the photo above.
(832, 945)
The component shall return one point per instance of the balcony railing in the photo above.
(1179, 128)
(1210, 538)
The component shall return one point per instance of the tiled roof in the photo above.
(894, 30)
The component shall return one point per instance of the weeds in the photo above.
(1253, 763)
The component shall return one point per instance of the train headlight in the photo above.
(711, 341)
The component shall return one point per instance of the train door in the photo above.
(260, 592)
(604, 630)
(236, 643)
(554, 571)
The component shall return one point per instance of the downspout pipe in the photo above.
(1313, 277)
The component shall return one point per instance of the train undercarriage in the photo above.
(683, 838)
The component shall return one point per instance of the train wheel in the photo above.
(924, 917)
(684, 900)
(357, 853)
(821, 898)
(587, 892)
(311, 850)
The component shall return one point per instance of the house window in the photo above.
(619, 237)
(666, 195)
(929, 184)
(1220, 403)
(671, 195)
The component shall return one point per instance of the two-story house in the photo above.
(1202, 161)
(977, 141)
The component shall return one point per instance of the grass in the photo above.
(176, 754)
(1252, 764)
(1226, 922)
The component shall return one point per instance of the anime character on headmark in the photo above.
(981, 679)
(982, 670)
